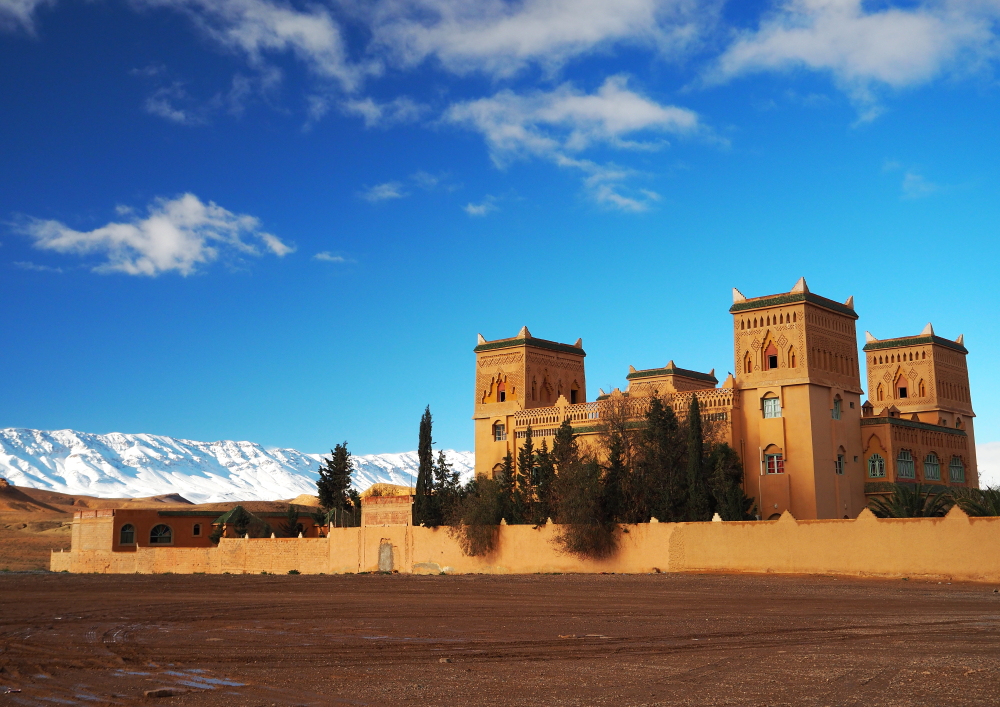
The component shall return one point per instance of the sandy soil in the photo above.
(495, 640)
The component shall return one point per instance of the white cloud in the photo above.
(988, 459)
(500, 37)
(16, 14)
(383, 192)
(259, 27)
(163, 104)
(916, 187)
(398, 110)
(486, 206)
(35, 267)
(555, 124)
(177, 235)
(328, 257)
(891, 46)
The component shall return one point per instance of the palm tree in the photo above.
(978, 502)
(909, 501)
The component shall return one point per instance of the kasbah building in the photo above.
(794, 411)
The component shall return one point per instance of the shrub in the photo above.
(911, 501)
(475, 518)
(293, 572)
(978, 502)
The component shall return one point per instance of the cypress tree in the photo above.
(505, 487)
(334, 484)
(446, 488)
(699, 505)
(663, 451)
(545, 479)
(524, 483)
(615, 480)
(564, 451)
(726, 483)
(422, 510)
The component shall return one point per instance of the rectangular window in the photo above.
(772, 408)
(835, 413)
(774, 464)
(932, 468)
(956, 471)
(838, 466)
(772, 362)
(904, 466)
(500, 432)
(902, 392)
(572, 397)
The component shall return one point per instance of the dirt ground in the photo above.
(496, 640)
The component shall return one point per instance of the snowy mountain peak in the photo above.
(120, 465)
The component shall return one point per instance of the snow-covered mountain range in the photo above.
(136, 465)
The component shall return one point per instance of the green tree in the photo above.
(583, 530)
(423, 511)
(505, 486)
(477, 513)
(615, 478)
(545, 481)
(564, 449)
(446, 487)
(699, 504)
(334, 484)
(523, 495)
(978, 502)
(726, 483)
(660, 465)
(911, 501)
(291, 527)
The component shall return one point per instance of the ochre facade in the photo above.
(793, 411)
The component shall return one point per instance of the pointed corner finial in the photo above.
(524, 333)
(850, 302)
(480, 340)
(712, 373)
(801, 286)
(670, 364)
(579, 343)
(631, 368)
(738, 296)
(600, 391)
(928, 330)
(960, 340)
(869, 339)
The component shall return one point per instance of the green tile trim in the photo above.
(536, 343)
(899, 422)
(915, 341)
(778, 300)
(887, 486)
(684, 372)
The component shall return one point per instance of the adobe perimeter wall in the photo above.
(956, 547)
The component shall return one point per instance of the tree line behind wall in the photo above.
(655, 467)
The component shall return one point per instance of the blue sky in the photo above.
(287, 222)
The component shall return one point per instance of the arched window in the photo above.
(127, 535)
(196, 530)
(743, 324)
(876, 467)
(904, 465)
(932, 468)
(774, 461)
(755, 322)
(161, 535)
(923, 355)
(791, 357)
(499, 432)
(501, 392)
(838, 465)
(922, 390)
(772, 406)
(879, 393)
(956, 471)
(770, 357)
(837, 408)
(902, 386)
(747, 363)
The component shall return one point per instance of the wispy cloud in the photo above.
(556, 124)
(863, 45)
(328, 257)
(178, 235)
(383, 192)
(35, 267)
(382, 115)
(916, 187)
(484, 207)
(20, 14)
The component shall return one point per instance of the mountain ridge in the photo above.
(119, 465)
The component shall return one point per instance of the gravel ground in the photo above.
(665, 639)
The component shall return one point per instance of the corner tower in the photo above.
(918, 423)
(516, 374)
(796, 359)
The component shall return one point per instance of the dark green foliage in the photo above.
(423, 511)
(475, 521)
(584, 528)
(447, 490)
(505, 485)
(661, 462)
(726, 484)
(614, 479)
(334, 484)
(564, 451)
(243, 523)
(545, 479)
(524, 477)
(977, 502)
(291, 527)
(699, 503)
(911, 501)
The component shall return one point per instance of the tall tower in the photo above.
(919, 421)
(516, 374)
(797, 428)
